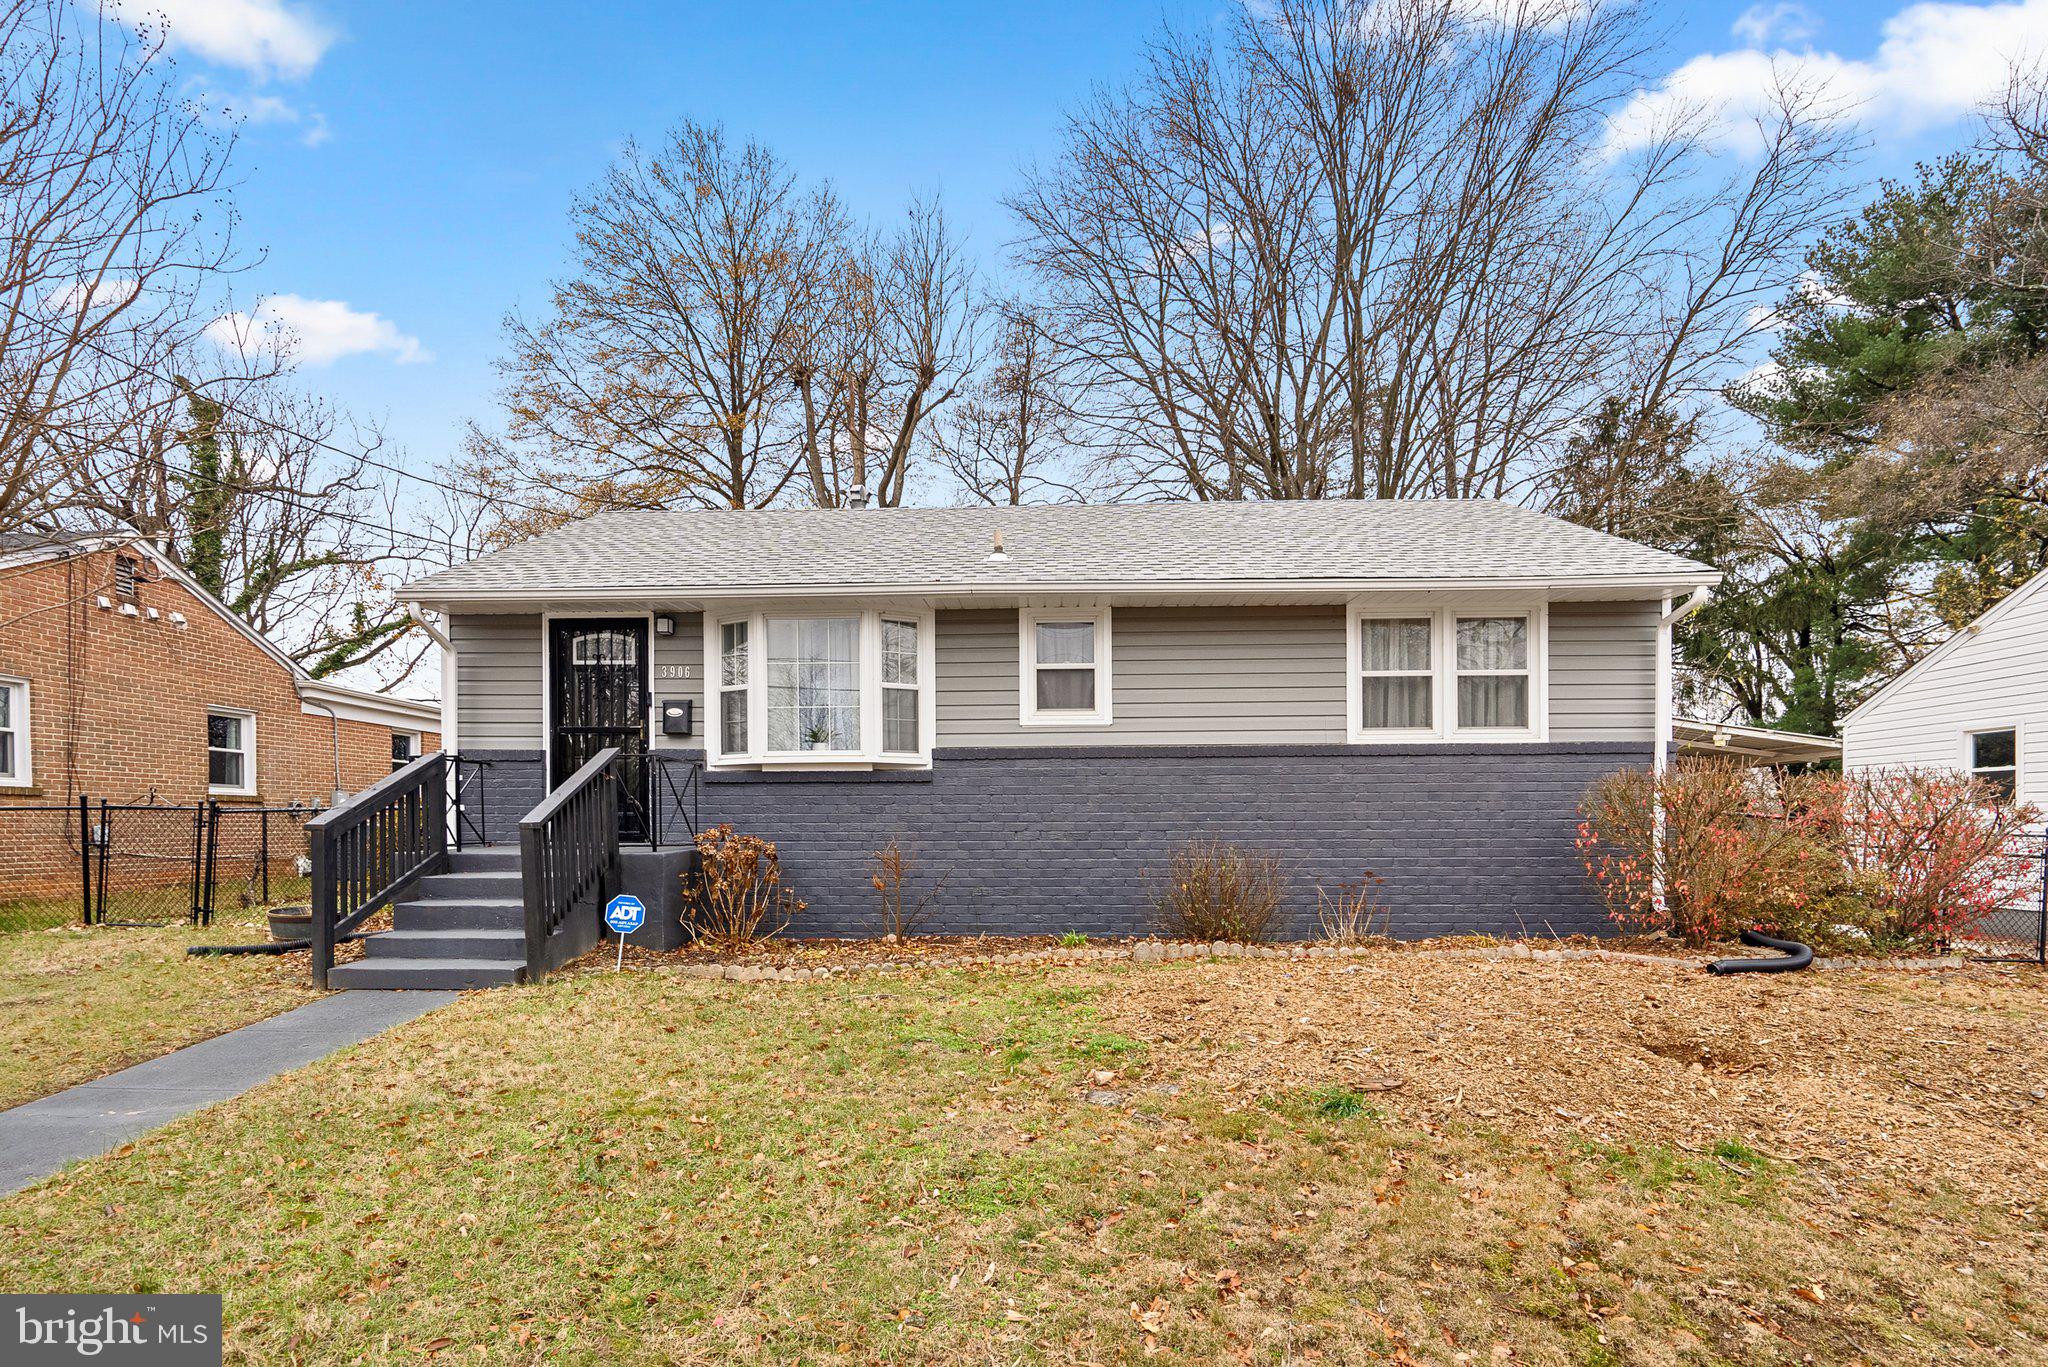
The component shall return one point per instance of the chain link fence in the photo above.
(147, 863)
(2018, 928)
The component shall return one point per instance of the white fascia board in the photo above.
(352, 704)
(1648, 586)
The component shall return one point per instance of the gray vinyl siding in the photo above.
(1179, 676)
(1603, 671)
(682, 655)
(497, 681)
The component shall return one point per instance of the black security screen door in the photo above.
(597, 697)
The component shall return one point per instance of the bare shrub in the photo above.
(1213, 890)
(738, 896)
(1348, 915)
(900, 911)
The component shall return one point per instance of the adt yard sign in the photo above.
(624, 914)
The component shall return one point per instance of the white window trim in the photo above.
(23, 749)
(870, 755)
(419, 741)
(247, 787)
(1968, 763)
(1028, 711)
(1443, 667)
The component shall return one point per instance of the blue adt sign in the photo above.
(625, 914)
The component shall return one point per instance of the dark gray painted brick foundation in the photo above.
(1468, 839)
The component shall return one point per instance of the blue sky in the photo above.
(415, 161)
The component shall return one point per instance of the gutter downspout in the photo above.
(338, 796)
(1667, 618)
(449, 743)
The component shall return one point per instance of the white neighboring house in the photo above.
(1977, 702)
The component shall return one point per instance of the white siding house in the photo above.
(1978, 702)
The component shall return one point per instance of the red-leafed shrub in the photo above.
(1935, 851)
(1885, 861)
(1725, 861)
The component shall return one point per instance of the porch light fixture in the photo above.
(664, 625)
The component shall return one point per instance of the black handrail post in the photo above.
(533, 850)
(320, 854)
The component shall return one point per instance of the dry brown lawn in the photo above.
(1407, 1159)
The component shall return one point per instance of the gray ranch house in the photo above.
(1039, 703)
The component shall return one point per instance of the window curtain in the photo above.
(1496, 700)
(1391, 699)
(1066, 689)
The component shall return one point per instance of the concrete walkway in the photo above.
(39, 1138)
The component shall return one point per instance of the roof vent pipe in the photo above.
(998, 553)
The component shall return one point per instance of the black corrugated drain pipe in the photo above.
(1797, 956)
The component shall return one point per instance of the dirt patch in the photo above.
(1879, 1077)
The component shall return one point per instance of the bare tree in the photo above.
(1387, 248)
(112, 225)
(660, 373)
(1011, 440)
(901, 338)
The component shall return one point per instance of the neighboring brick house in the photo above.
(121, 678)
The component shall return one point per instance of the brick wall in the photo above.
(118, 709)
(1469, 839)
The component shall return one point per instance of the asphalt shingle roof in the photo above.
(1054, 545)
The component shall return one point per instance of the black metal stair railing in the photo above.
(568, 859)
(367, 850)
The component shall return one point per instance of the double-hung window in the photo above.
(1446, 674)
(797, 689)
(902, 730)
(14, 751)
(734, 661)
(230, 751)
(1397, 683)
(405, 748)
(1493, 673)
(1995, 761)
(1065, 676)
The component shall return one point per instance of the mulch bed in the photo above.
(1916, 1079)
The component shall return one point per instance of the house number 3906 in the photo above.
(674, 672)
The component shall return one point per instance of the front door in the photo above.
(597, 697)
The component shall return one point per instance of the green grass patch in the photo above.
(81, 1002)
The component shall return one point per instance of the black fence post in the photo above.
(104, 838)
(2041, 926)
(85, 859)
(263, 853)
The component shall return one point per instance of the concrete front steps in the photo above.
(463, 928)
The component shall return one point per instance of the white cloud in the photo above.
(1786, 21)
(265, 38)
(92, 295)
(317, 331)
(1935, 62)
(260, 110)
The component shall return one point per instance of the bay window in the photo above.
(799, 689)
(1451, 673)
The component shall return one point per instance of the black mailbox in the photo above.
(677, 716)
